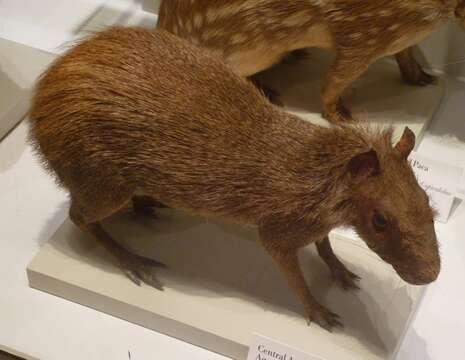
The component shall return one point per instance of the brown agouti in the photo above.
(253, 35)
(131, 111)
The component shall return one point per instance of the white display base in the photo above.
(378, 97)
(15, 354)
(19, 67)
(221, 288)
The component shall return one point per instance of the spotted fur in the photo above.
(252, 35)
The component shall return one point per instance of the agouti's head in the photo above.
(460, 12)
(394, 216)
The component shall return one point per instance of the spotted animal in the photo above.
(253, 35)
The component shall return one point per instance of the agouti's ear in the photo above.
(364, 165)
(406, 143)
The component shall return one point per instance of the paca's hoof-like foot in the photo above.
(419, 77)
(338, 115)
(411, 71)
(346, 279)
(140, 270)
(325, 318)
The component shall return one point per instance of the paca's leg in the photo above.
(288, 263)
(342, 73)
(411, 71)
(144, 205)
(345, 278)
(291, 58)
(88, 218)
(250, 62)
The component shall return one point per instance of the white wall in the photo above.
(51, 24)
(445, 50)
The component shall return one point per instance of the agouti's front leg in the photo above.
(343, 72)
(344, 277)
(288, 263)
(411, 71)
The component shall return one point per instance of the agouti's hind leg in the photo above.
(136, 267)
(145, 205)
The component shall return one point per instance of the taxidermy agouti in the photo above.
(131, 111)
(251, 36)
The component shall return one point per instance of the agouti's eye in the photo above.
(380, 223)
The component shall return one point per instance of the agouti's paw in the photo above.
(323, 317)
(346, 279)
(140, 270)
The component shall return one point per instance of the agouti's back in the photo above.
(140, 108)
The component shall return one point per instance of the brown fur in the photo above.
(253, 35)
(129, 111)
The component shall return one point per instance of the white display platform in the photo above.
(19, 67)
(15, 355)
(378, 97)
(221, 288)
